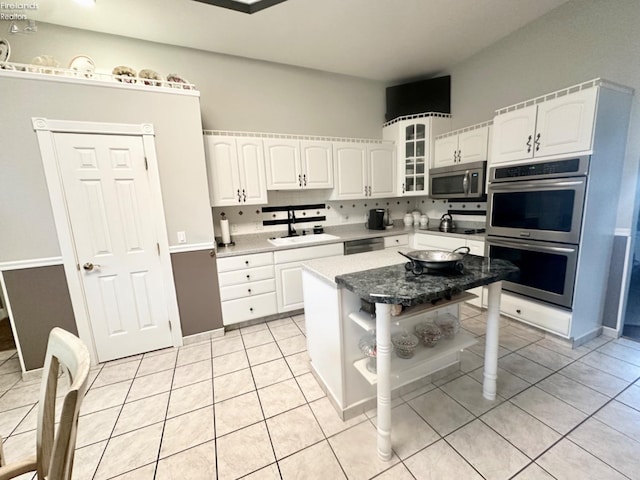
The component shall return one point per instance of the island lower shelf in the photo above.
(368, 321)
(426, 360)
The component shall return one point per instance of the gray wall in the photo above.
(578, 41)
(196, 278)
(35, 319)
(25, 212)
(237, 93)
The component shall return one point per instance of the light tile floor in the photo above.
(247, 406)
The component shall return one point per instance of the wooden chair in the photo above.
(56, 447)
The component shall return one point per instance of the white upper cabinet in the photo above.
(236, 171)
(566, 124)
(350, 160)
(294, 164)
(364, 170)
(561, 125)
(464, 147)
(317, 164)
(414, 150)
(445, 151)
(282, 164)
(382, 171)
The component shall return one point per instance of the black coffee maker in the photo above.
(376, 219)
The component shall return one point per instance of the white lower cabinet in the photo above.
(396, 241)
(289, 289)
(288, 273)
(244, 309)
(546, 317)
(247, 287)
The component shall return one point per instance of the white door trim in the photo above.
(45, 130)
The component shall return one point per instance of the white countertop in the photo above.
(329, 267)
(258, 242)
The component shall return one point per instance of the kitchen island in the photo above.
(333, 291)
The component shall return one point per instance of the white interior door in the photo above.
(108, 198)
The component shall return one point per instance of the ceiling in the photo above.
(385, 40)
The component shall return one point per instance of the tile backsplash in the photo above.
(248, 219)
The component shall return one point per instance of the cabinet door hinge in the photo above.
(146, 164)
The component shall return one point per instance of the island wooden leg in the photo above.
(491, 342)
(383, 359)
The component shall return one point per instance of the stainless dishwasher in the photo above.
(363, 245)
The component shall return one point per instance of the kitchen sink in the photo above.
(302, 239)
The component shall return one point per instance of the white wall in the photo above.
(236, 93)
(578, 41)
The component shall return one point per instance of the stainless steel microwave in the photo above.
(459, 181)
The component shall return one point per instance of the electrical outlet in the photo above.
(234, 228)
(182, 237)
(259, 226)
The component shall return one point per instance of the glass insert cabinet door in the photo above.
(414, 159)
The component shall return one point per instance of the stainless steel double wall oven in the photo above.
(535, 213)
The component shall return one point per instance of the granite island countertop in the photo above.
(394, 284)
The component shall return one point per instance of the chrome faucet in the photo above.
(291, 219)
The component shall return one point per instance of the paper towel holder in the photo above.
(230, 243)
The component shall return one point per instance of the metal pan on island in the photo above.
(421, 261)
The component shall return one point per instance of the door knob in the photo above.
(90, 266)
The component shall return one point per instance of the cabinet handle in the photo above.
(251, 309)
(212, 253)
(299, 180)
(518, 311)
(239, 199)
(304, 178)
(246, 262)
(403, 188)
(248, 277)
(529, 144)
(459, 156)
(397, 241)
(369, 190)
(537, 142)
(249, 290)
(365, 190)
(244, 196)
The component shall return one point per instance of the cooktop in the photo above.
(459, 230)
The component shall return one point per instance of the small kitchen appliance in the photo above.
(446, 223)
(461, 181)
(376, 219)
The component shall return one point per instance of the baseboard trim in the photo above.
(202, 337)
(31, 375)
(610, 332)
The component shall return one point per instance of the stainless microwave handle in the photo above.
(530, 245)
(536, 185)
(465, 183)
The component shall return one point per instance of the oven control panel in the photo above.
(557, 168)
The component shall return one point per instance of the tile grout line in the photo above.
(325, 439)
(266, 426)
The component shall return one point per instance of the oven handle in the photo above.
(531, 246)
(536, 185)
(465, 183)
